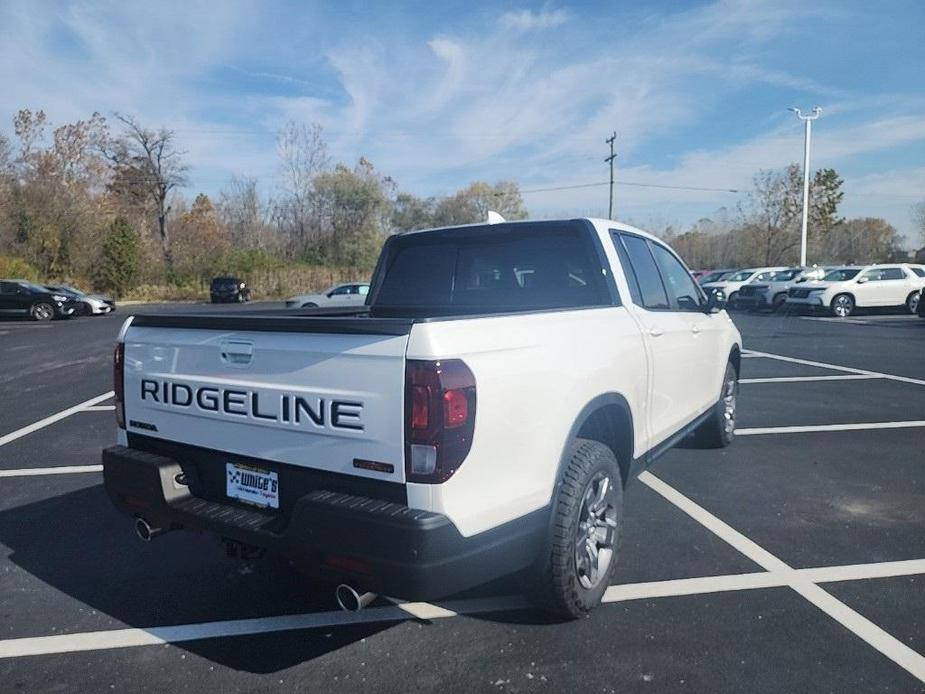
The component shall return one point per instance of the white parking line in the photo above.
(402, 611)
(100, 408)
(813, 428)
(863, 628)
(800, 379)
(837, 367)
(19, 433)
(59, 470)
(836, 320)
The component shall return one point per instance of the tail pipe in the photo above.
(147, 532)
(350, 600)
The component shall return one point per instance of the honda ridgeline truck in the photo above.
(478, 417)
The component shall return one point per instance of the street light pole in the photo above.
(808, 121)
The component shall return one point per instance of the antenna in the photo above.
(495, 218)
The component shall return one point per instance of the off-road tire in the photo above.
(555, 582)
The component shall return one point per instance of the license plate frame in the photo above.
(252, 485)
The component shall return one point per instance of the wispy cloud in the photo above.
(526, 20)
(696, 96)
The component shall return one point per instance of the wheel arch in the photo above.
(735, 356)
(607, 419)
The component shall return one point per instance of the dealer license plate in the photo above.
(253, 485)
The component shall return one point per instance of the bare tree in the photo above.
(244, 212)
(918, 214)
(303, 156)
(149, 163)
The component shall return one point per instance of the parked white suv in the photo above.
(733, 283)
(770, 290)
(844, 289)
(478, 418)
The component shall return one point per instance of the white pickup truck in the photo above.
(478, 417)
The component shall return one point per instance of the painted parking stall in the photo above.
(792, 521)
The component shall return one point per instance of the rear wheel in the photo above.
(42, 311)
(842, 305)
(581, 552)
(718, 430)
(778, 301)
(309, 305)
(912, 302)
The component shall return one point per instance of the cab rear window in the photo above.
(494, 268)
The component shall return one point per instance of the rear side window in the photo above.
(893, 273)
(919, 272)
(483, 269)
(644, 271)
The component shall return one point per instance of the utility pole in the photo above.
(609, 160)
(808, 120)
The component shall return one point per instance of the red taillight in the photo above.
(455, 408)
(439, 418)
(118, 383)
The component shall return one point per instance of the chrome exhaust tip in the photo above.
(349, 600)
(145, 531)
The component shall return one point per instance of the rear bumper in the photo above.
(374, 544)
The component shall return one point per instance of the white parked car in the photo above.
(844, 289)
(341, 295)
(481, 419)
(734, 282)
(771, 291)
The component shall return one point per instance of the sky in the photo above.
(439, 94)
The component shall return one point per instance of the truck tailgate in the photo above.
(316, 400)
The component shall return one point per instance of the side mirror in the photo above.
(862, 280)
(716, 302)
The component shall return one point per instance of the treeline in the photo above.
(765, 229)
(100, 202)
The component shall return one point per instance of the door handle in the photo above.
(655, 332)
(695, 329)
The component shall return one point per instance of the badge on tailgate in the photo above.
(253, 485)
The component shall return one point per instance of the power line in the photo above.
(636, 184)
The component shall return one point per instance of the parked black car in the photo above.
(22, 298)
(225, 289)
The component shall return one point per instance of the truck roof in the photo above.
(599, 223)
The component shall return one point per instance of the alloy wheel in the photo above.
(842, 306)
(43, 312)
(730, 389)
(596, 532)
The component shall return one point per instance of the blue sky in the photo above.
(439, 94)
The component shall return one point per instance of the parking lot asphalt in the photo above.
(792, 561)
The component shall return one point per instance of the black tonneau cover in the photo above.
(351, 322)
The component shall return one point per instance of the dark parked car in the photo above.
(22, 298)
(225, 289)
(87, 304)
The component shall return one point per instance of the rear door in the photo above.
(309, 399)
(667, 333)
